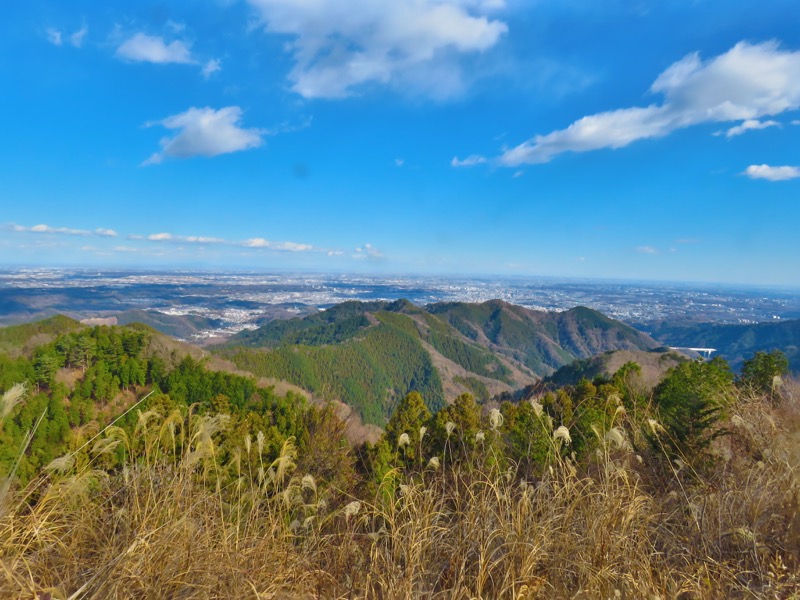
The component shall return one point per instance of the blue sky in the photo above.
(620, 139)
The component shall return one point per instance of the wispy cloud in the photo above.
(76, 39)
(248, 243)
(368, 252)
(153, 49)
(272, 245)
(205, 132)
(470, 161)
(748, 82)
(54, 36)
(745, 126)
(212, 66)
(646, 250)
(42, 228)
(772, 173)
(338, 46)
(144, 48)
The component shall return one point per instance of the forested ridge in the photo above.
(369, 354)
(83, 380)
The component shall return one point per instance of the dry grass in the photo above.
(182, 525)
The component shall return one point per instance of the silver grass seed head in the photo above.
(351, 509)
(562, 433)
(495, 418)
(537, 408)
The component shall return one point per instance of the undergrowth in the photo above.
(627, 519)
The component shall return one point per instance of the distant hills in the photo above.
(177, 326)
(20, 339)
(369, 354)
(653, 365)
(735, 343)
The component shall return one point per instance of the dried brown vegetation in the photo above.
(178, 521)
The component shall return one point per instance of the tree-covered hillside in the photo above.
(483, 349)
(736, 343)
(543, 341)
(57, 394)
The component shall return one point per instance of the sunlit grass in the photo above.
(177, 521)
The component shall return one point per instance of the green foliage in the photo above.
(528, 432)
(404, 429)
(104, 361)
(14, 339)
(690, 401)
(465, 416)
(473, 358)
(476, 387)
(370, 373)
(333, 326)
(760, 372)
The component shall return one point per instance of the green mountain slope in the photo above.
(21, 339)
(736, 343)
(653, 365)
(177, 326)
(542, 341)
(369, 354)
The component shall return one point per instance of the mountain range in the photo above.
(369, 354)
(735, 343)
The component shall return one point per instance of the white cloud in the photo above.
(745, 126)
(147, 48)
(54, 36)
(470, 161)
(772, 173)
(746, 83)
(286, 246)
(199, 239)
(249, 243)
(338, 45)
(126, 249)
(212, 66)
(76, 39)
(646, 250)
(160, 237)
(368, 251)
(42, 228)
(205, 132)
(399, 162)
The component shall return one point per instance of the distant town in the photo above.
(234, 301)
